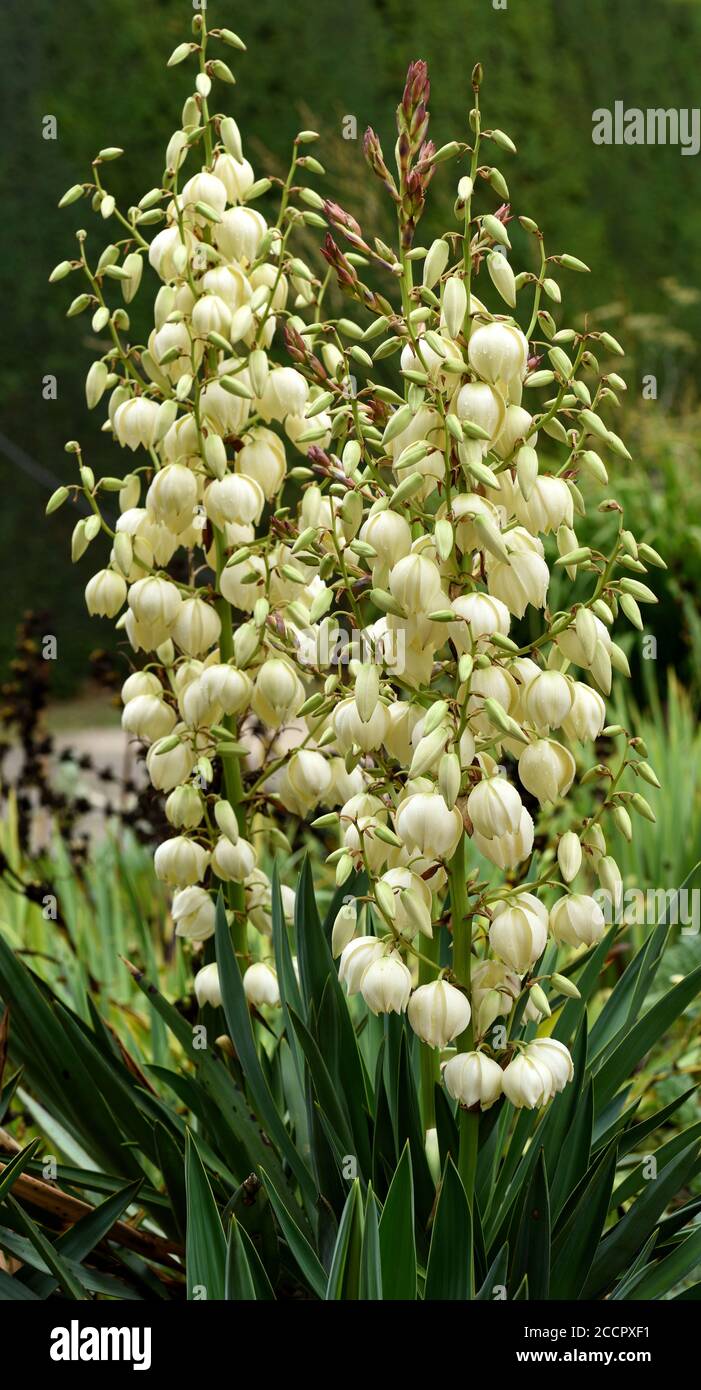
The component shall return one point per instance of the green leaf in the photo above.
(325, 1000)
(85, 1234)
(239, 1025)
(630, 989)
(287, 980)
(171, 1164)
(370, 1257)
(205, 1248)
(246, 1279)
(306, 1258)
(17, 1165)
(587, 979)
(663, 1155)
(216, 1081)
(495, 1277)
(625, 1057)
(450, 1264)
(323, 1085)
(571, 1162)
(344, 1274)
(633, 1135)
(622, 1243)
(397, 1239)
(531, 1235)
(13, 1290)
(68, 1280)
(577, 1239)
(410, 1127)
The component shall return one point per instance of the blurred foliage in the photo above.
(629, 212)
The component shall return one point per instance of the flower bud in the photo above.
(344, 926)
(569, 855)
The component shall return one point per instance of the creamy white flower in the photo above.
(135, 423)
(517, 935)
(482, 406)
(577, 920)
(233, 863)
(587, 714)
(517, 426)
(412, 902)
(350, 728)
(548, 699)
(498, 353)
(277, 693)
(546, 769)
(416, 584)
(356, 957)
(148, 717)
(236, 175)
(185, 807)
(194, 914)
(537, 1073)
(231, 689)
(207, 986)
(260, 985)
(285, 393)
(167, 769)
(196, 627)
(239, 234)
(472, 1078)
(494, 807)
(426, 824)
(105, 593)
(262, 458)
(438, 1012)
(524, 577)
(386, 985)
(344, 927)
(569, 855)
(172, 497)
(506, 851)
(180, 862)
(482, 615)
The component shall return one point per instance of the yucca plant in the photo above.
(383, 645)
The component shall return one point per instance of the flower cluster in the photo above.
(366, 602)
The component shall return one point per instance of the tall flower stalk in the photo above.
(347, 566)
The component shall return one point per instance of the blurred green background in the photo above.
(632, 213)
